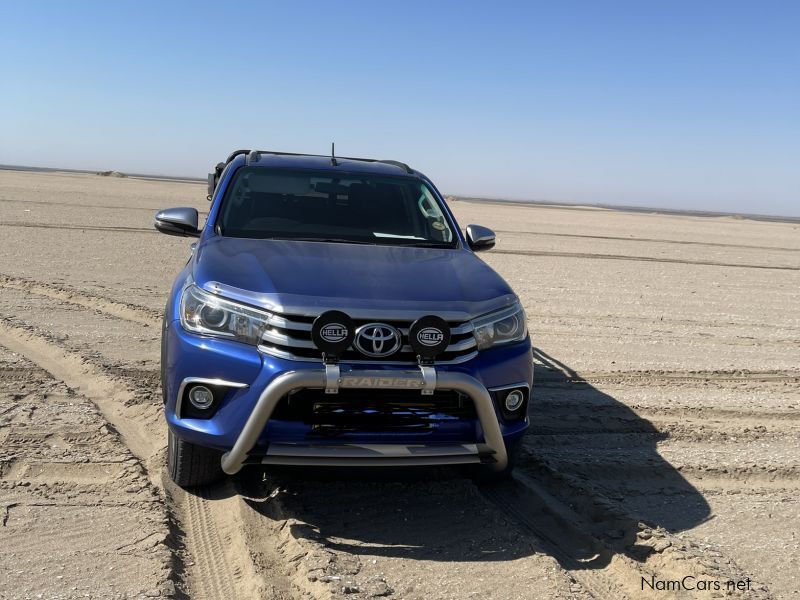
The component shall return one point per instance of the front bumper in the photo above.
(351, 455)
(242, 427)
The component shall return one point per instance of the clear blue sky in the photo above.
(680, 104)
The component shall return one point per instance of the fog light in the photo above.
(514, 400)
(201, 397)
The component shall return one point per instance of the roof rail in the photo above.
(253, 157)
(213, 178)
(234, 154)
(397, 163)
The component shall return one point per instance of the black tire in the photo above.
(190, 465)
(486, 474)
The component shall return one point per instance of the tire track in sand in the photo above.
(207, 573)
(208, 550)
(646, 240)
(66, 226)
(555, 376)
(540, 515)
(606, 567)
(676, 261)
(128, 312)
(77, 204)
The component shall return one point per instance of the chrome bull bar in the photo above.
(426, 379)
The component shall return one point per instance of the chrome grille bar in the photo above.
(289, 337)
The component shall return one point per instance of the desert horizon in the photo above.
(461, 197)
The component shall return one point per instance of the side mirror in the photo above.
(480, 238)
(178, 221)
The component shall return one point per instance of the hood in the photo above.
(307, 278)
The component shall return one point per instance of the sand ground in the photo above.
(664, 441)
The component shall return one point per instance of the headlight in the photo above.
(208, 314)
(502, 327)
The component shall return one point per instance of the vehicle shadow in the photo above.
(586, 452)
(581, 431)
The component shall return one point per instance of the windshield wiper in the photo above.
(429, 245)
(323, 239)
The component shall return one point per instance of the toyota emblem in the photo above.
(378, 340)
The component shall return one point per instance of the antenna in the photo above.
(333, 156)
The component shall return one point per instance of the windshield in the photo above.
(321, 206)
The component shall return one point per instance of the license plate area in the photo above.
(374, 411)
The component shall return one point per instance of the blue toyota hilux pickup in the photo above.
(333, 313)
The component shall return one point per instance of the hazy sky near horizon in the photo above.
(678, 104)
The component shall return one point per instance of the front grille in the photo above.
(373, 411)
(290, 337)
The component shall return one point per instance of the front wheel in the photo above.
(190, 465)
